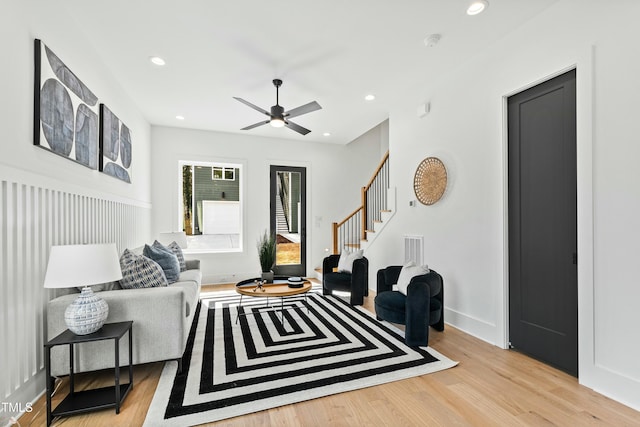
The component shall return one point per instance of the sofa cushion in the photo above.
(167, 260)
(191, 276)
(140, 272)
(177, 251)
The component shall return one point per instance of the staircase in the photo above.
(282, 225)
(282, 204)
(359, 229)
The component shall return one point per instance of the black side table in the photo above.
(78, 402)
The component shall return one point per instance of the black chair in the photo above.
(423, 306)
(356, 282)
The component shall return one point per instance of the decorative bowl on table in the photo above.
(295, 282)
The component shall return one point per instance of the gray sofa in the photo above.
(161, 317)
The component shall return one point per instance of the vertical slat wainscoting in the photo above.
(32, 219)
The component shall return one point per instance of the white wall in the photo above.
(335, 174)
(465, 232)
(22, 22)
(45, 199)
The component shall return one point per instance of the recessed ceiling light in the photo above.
(157, 60)
(180, 117)
(477, 7)
(370, 97)
(326, 134)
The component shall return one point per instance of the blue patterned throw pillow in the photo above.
(140, 272)
(167, 260)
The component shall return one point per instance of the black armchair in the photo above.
(356, 282)
(423, 306)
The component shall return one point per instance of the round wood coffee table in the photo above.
(279, 288)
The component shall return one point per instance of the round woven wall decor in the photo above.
(430, 180)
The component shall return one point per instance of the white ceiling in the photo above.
(334, 52)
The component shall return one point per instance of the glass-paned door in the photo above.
(288, 219)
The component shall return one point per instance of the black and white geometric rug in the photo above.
(321, 346)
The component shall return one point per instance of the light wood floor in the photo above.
(489, 387)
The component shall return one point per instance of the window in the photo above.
(223, 173)
(211, 206)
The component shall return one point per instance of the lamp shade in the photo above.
(82, 265)
(179, 237)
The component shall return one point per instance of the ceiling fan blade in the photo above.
(255, 107)
(297, 128)
(255, 125)
(303, 109)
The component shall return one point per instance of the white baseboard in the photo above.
(23, 399)
(478, 328)
(219, 279)
(615, 385)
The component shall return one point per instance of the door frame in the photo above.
(584, 66)
(286, 165)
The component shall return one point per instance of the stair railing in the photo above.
(348, 231)
(283, 190)
(354, 228)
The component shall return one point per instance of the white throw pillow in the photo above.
(408, 272)
(345, 263)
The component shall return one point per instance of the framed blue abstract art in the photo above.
(115, 146)
(65, 110)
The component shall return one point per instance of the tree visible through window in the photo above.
(211, 205)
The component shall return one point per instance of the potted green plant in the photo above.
(267, 254)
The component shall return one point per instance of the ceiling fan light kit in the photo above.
(277, 122)
(278, 117)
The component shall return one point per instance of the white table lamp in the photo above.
(83, 265)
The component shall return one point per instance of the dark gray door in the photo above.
(543, 279)
(289, 219)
